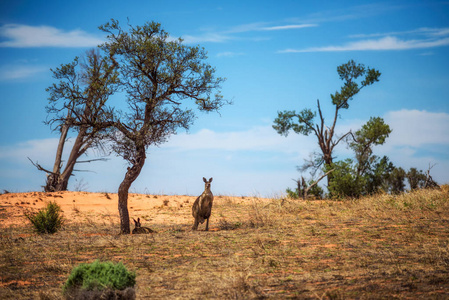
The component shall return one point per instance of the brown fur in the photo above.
(141, 230)
(202, 208)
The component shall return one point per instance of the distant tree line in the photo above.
(364, 174)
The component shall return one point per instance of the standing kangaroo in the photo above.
(202, 207)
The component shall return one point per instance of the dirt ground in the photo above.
(76, 205)
(379, 247)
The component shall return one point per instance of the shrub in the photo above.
(47, 220)
(98, 276)
(345, 182)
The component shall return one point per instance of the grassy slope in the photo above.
(376, 247)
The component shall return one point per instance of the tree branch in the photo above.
(40, 168)
(91, 160)
(313, 184)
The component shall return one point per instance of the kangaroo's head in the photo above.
(137, 223)
(207, 183)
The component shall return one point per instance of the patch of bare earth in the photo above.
(376, 247)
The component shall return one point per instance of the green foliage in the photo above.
(292, 194)
(100, 276)
(355, 77)
(315, 191)
(79, 98)
(164, 81)
(47, 220)
(374, 132)
(285, 121)
(345, 182)
(378, 177)
(159, 74)
(416, 179)
(349, 73)
(396, 181)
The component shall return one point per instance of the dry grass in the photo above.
(376, 247)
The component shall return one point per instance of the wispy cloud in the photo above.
(430, 32)
(14, 72)
(230, 54)
(433, 38)
(288, 27)
(430, 130)
(259, 138)
(35, 149)
(232, 33)
(349, 13)
(207, 38)
(24, 36)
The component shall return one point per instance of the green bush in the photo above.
(100, 276)
(47, 220)
(345, 182)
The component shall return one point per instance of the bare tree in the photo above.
(158, 73)
(430, 183)
(78, 103)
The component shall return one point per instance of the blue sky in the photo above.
(276, 55)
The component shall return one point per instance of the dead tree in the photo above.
(78, 103)
(430, 183)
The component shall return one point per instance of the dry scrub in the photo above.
(375, 247)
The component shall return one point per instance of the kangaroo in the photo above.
(139, 229)
(202, 207)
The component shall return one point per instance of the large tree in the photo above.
(158, 74)
(355, 77)
(78, 103)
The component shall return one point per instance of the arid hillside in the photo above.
(375, 247)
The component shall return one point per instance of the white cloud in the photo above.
(416, 128)
(207, 37)
(11, 72)
(420, 31)
(256, 26)
(35, 149)
(24, 36)
(433, 37)
(287, 27)
(259, 138)
(229, 54)
(230, 34)
(386, 43)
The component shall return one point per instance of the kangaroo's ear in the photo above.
(210, 180)
(134, 221)
(204, 179)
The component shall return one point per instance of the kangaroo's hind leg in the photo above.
(195, 226)
(207, 224)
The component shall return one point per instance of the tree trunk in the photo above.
(52, 182)
(123, 189)
(58, 159)
(58, 181)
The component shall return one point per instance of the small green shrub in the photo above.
(99, 276)
(48, 219)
